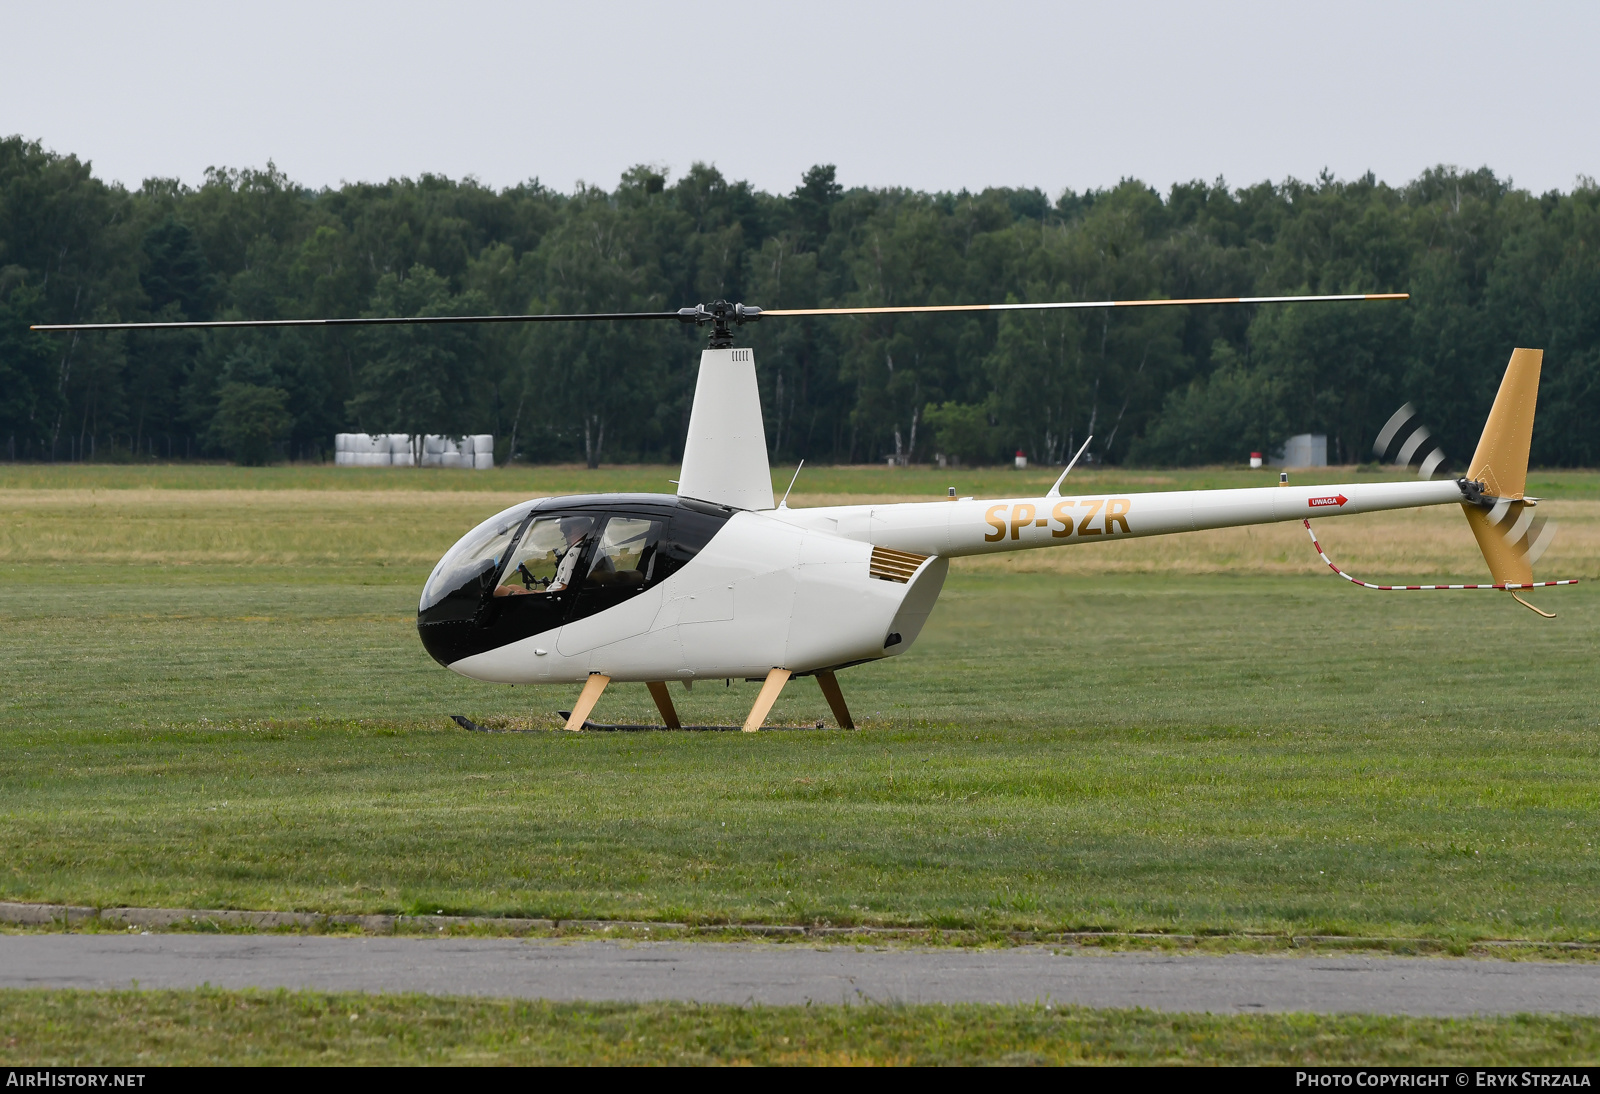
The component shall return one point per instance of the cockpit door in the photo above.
(536, 590)
(621, 564)
(615, 600)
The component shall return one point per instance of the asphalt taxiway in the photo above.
(794, 973)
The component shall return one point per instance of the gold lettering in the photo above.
(1021, 515)
(1060, 513)
(1083, 525)
(998, 523)
(1116, 513)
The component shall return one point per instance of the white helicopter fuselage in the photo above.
(746, 588)
(820, 588)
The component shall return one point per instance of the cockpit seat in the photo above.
(606, 579)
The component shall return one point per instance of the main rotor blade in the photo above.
(229, 323)
(698, 315)
(1082, 304)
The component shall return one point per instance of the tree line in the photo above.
(1489, 267)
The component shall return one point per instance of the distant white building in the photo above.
(1303, 450)
(475, 451)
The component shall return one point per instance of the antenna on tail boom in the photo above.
(1055, 491)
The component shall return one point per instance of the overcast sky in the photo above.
(927, 95)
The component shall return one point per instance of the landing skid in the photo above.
(599, 727)
(578, 717)
(602, 728)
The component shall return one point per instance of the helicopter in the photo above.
(720, 580)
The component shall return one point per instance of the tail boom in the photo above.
(974, 527)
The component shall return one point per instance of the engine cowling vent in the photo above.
(889, 565)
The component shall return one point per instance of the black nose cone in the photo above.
(449, 642)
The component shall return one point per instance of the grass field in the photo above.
(133, 1029)
(214, 697)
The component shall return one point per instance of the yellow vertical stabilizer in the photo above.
(1501, 464)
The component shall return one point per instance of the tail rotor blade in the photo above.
(1420, 449)
(1409, 449)
(1431, 464)
(1541, 539)
(1519, 527)
(1387, 433)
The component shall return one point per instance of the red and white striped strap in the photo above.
(1504, 585)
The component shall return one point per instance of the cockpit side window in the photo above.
(626, 554)
(535, 566)
(689, 533)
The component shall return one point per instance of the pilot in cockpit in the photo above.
(575, 531)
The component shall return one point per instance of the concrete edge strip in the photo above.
(27, 914)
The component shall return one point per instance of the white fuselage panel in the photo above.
(762, 594)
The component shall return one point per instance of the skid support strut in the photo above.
(835, 697)
(769, 695)
(591, 695)
(669, 713)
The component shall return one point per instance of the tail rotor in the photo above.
(1419, 449)
(1526, 535)
(1499, 513)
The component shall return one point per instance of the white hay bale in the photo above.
(371, 450)
(483, 461)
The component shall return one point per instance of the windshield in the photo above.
(467, 568)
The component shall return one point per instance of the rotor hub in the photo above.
(720, 315)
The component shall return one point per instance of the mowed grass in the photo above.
(214, 697)
(133, 1029)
